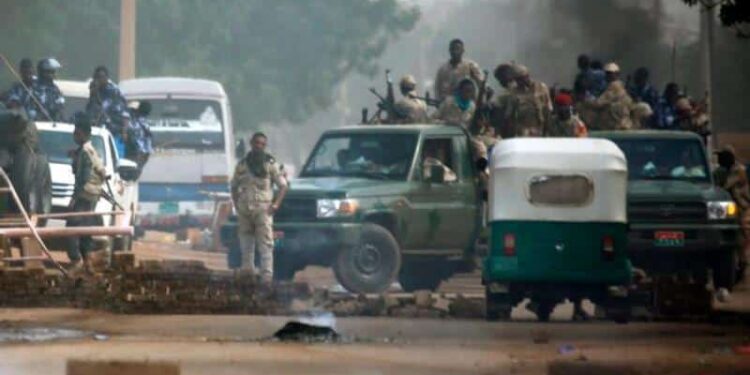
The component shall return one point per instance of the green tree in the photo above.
(734, 14)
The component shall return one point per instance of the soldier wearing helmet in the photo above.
(410, 109)
(499, 110)
(49, 97)
(532, 105)
(614, 105)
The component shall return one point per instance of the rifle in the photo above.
(384, 105)
(109, 196)
(475, 125)
(428, 100)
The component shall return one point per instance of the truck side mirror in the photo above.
(482, 164)
(128, 170)
(437, 174)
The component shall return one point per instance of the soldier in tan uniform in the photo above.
(455, 70)
(500, 107)
(531, 107)
(613, 106)
(89, 173)
(564, 123)
(733, 178)
(252, 194)
(410, 109)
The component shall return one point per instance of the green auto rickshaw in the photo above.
(558, 222)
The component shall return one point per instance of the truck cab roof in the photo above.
(647, 133)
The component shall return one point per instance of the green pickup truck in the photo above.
(380, 204)
(680, 223)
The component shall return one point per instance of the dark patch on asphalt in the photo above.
(295, 331)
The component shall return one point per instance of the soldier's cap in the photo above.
(563, 100)
(611, 67)
(726, 149)
(683, 104)
(520, 70)
(408, 81)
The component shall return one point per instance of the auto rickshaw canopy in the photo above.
(558, 179)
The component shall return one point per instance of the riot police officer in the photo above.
(47, 93)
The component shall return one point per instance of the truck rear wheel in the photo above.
(372, 265)
(725, 269)
(497, 306)
(423, 275)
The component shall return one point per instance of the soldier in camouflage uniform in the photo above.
(614, 105)
(732, 176)
(458, 109)
(531, 107)
(90, 174)
(456, 69)
(18, 95)
(410, 109)
(47, 93)
(564, 123)
(252, 194)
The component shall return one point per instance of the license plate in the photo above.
(168, 208)
(278, 238)
(669, 239)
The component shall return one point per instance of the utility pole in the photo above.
(127, 39)
(708, 17)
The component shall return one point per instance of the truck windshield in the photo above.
(57, 145)
(374, 156)
(665, 159)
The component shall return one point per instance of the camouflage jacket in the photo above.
(50, 97)
(449, 75)
(250, 191)
(613, 107)
(89, 173)
(530, 109)
(450, 113)
(411, 109)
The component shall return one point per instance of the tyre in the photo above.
(425, 275)
(372, 265)
(544, 310)
(497, 307)
(283, 268)
(725, 269)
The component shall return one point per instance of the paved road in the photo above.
(235, 345)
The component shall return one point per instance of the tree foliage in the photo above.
(732, 13)
(279, 59)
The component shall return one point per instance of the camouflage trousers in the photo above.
(256, 233)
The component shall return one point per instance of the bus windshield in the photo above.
(186, 123)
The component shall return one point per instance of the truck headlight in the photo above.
(336, 207)
(721, 210)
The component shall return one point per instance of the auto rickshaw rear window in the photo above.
(561, 190)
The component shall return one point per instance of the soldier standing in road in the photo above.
(90, 174)
(47, 93)
(456, 69)
(565, 123)
(733, 178)
(252, 194)
(614, 104)
(532, 105)
(411, 109)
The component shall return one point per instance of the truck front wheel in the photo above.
(371, 266)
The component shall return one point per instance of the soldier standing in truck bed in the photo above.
(531, 107)
(613, 106)
(454, 70)
(252, 194)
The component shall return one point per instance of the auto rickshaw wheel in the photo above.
(370, 266)
(497, 306)
(544, 310)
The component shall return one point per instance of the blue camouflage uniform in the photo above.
(19, 96)
(50, 97)
(108, 107)
(666, 115)
(142, 134)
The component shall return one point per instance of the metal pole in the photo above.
(127, 39)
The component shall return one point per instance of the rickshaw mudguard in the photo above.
(555, 251)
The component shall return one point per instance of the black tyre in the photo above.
(372, 265)
(284, 268)
(497, 307)
(725, 269)
(424, 275)
(544, 310)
